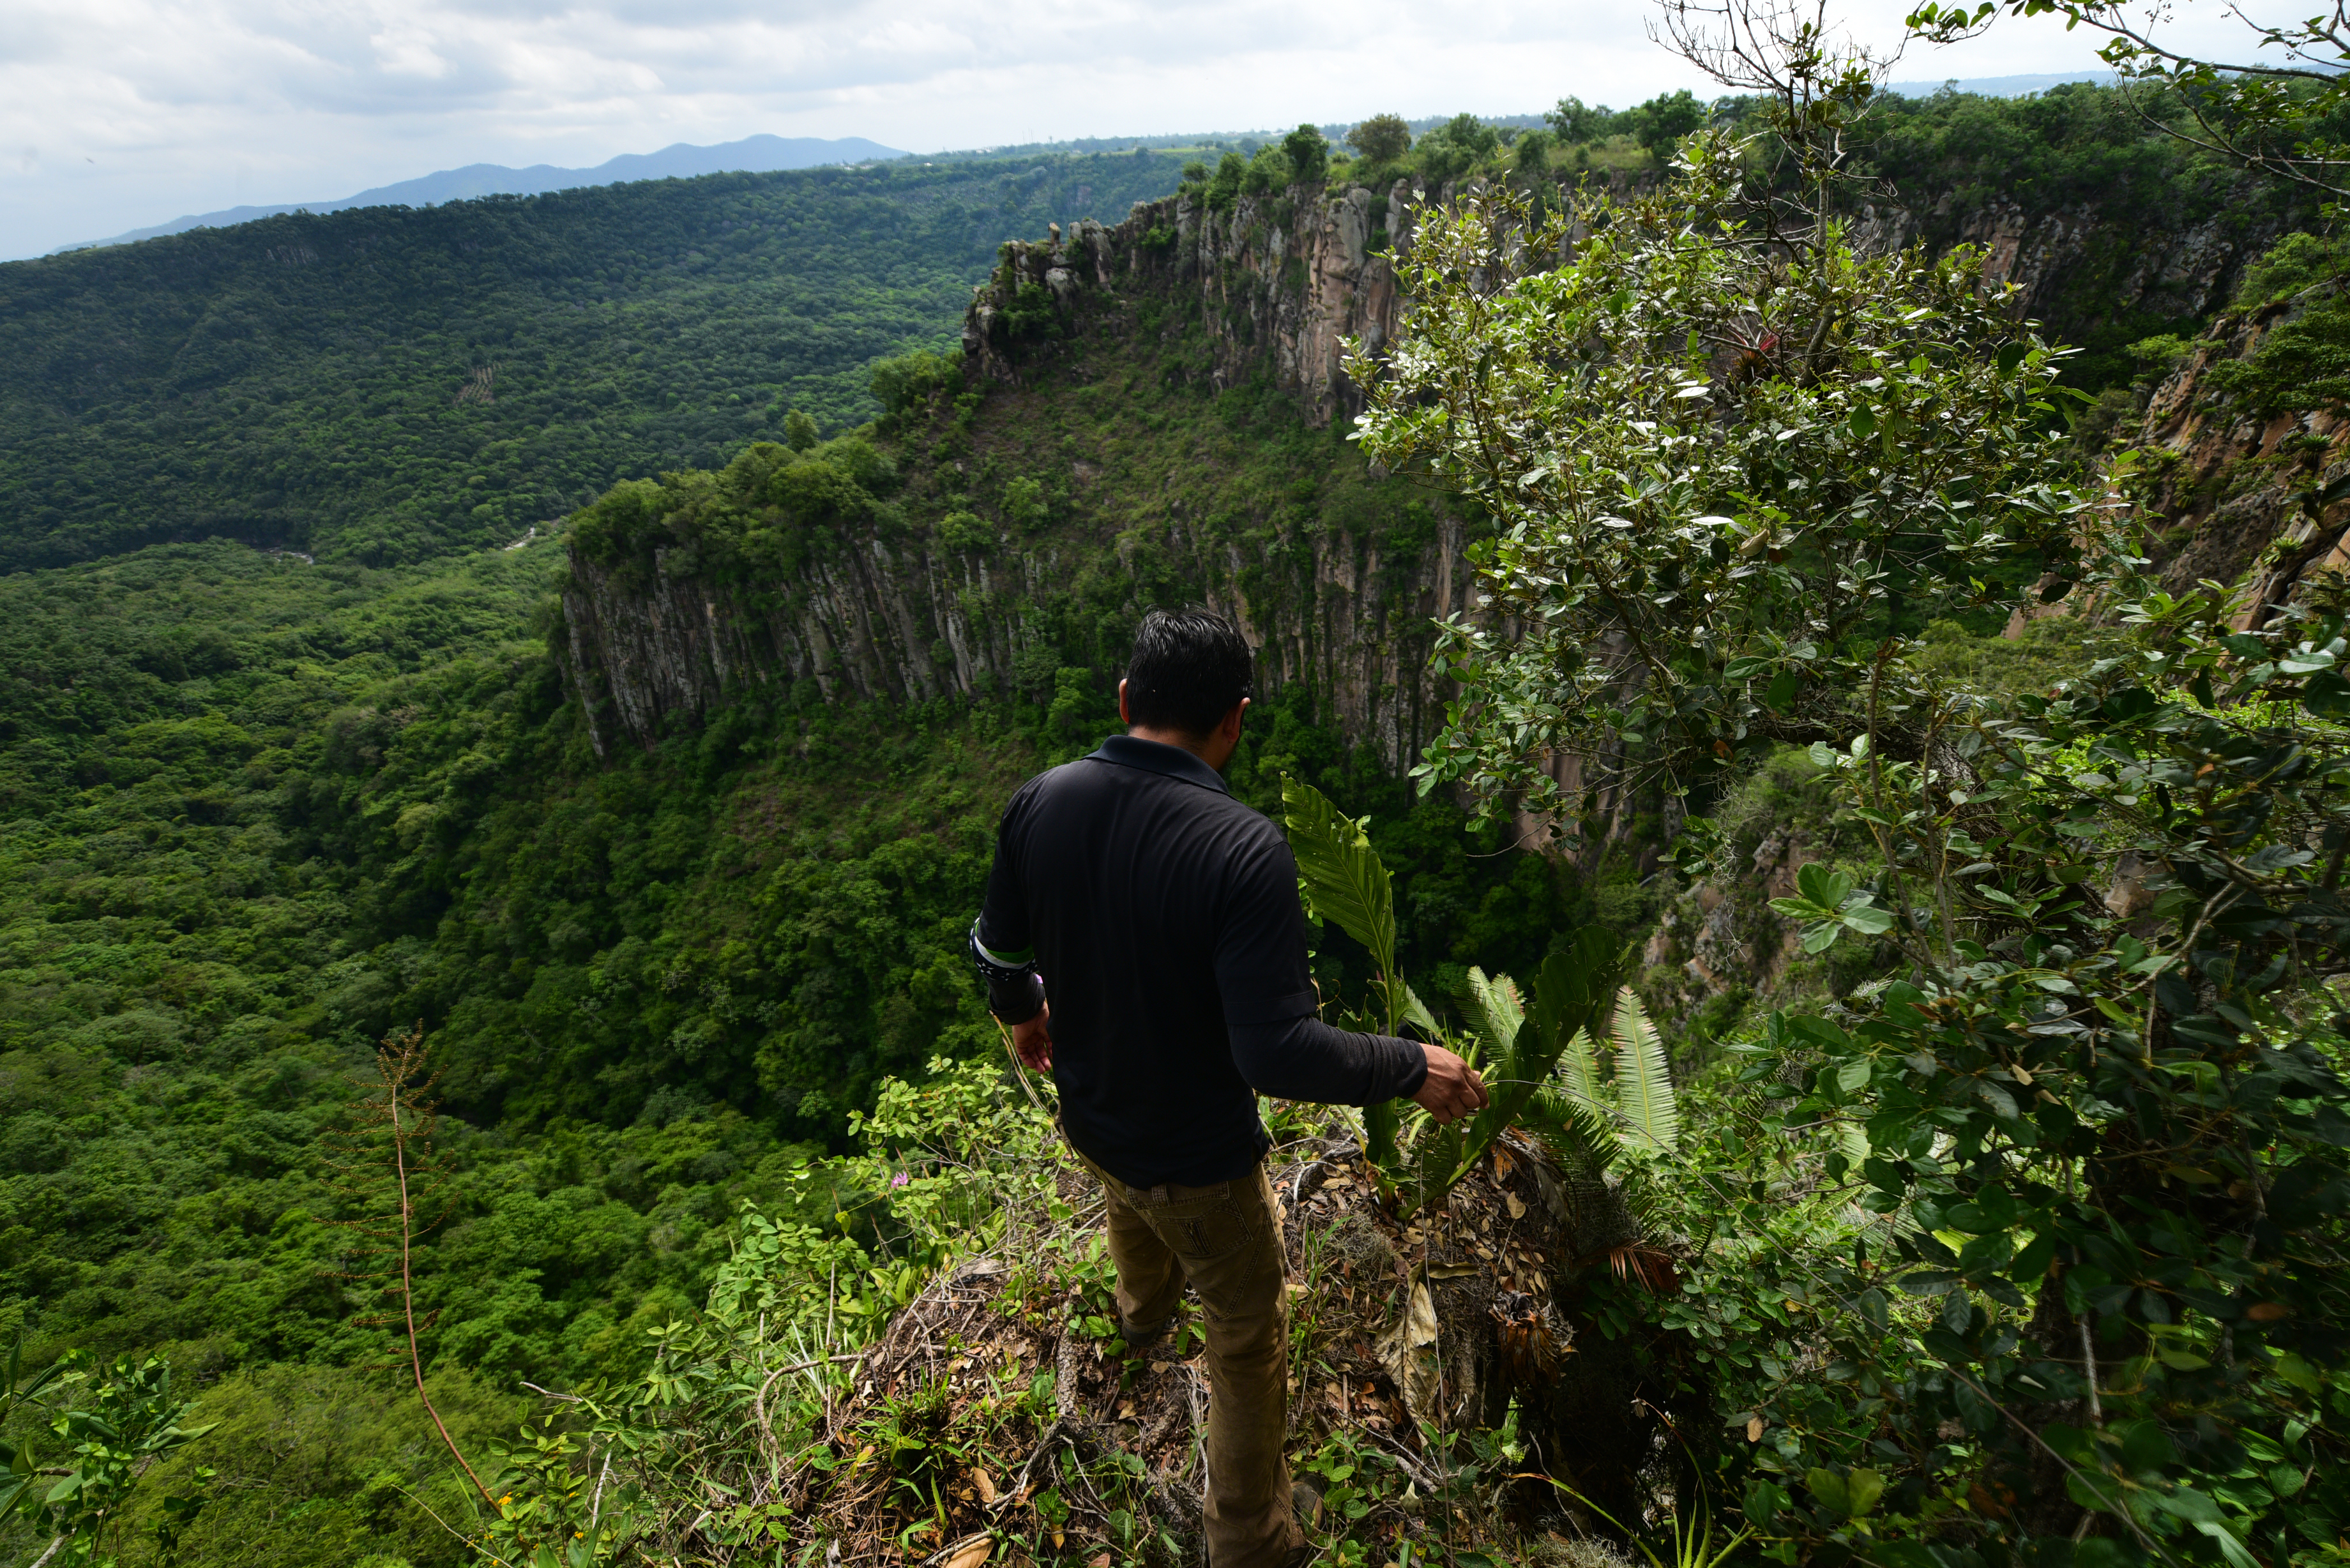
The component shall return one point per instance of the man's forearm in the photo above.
(1015, 993)
(1303, 1058)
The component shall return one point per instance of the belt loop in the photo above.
(1159, 1193)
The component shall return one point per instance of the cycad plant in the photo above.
(1539, 1063)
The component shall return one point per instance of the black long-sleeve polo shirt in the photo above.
(1163, 917)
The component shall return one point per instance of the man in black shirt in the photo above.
(1143, 941)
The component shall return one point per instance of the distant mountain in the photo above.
(2002, 87)
(752, 155)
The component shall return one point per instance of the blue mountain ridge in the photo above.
(753, 154)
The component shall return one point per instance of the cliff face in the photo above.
(1333, 576)
(2076, 267)
(1264, 293)
(1281, 282)
(2233, 486)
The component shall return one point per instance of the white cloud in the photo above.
(116, 114)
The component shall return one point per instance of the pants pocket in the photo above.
(1219, 1232)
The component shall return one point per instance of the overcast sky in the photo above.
(117, 114)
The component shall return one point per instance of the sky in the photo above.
(118, 114)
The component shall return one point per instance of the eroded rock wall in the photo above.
(1277, 285)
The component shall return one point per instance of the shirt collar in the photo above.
(1154, 757)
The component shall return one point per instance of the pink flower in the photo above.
(900, 1179)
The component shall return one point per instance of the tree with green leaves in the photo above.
(2282, 106)
(1308, 152)
(1458, 147)
(1664, 119)
(2067, 1280)
(1576, 121)
(1722, 465)
(1381, 140)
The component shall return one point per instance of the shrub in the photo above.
(1382, 139)
(964, 531)
(1308, 154)
(2294, 263)
(1224, 188)
(910, 381)
(1267, 173)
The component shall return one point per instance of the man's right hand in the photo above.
(1451, 1089)
(1033, 1042)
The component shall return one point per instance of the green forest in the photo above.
(386, 385)
(1988, 1212)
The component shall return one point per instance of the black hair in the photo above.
(1189, 665)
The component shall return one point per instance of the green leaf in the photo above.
(1344, 880)
(1644, 1081)
(1580, 1068)
(1496, 1012)
(1862, 1489)
(1416, 1012)
(1826, 888)
(1866, 917)
(1863, 423)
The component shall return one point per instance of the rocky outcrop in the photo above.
(914, 621)
(2074, 266)
(2231, 489)
(1281, 282)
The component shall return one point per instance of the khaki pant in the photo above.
(1226, 1241)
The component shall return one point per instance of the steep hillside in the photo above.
(384, 384)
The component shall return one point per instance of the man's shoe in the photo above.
(1140, 1340)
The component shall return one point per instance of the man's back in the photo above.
(1161, 912)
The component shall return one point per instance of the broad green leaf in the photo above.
(1820, 886)
(1416, 1012)
(1867, 918)
(1345, 878)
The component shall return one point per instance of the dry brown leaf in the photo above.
(1754, 1429)
(1100, 1562)
(1517, 1208)
(986, 1486)
(972, 1552)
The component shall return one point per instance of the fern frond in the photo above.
(1578, 1068)
(1644, 1080)
(1496, 1012)
(1578, 1135)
